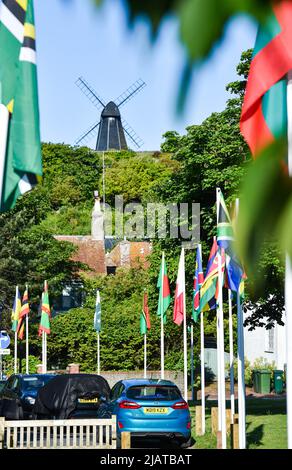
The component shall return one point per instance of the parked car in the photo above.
(73, 396)
(19, 393)
(150, 409)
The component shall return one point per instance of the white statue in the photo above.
(97, 221)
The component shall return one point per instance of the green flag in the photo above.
(164, 291)
(45, 312)
(22, 164)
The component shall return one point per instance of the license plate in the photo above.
(86, 400)
(160, 411)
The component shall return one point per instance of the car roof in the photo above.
(32, 375)
(131, 382)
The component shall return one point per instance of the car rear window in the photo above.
(146, 392)
(35, 382)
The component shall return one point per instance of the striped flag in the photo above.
(264, 111)
(225, 239)
(97, 313)
(45, 312)
(145, 316)
(21, 162)
(164, 291)
(198, 281)
(16, 311)
(23, 313)
(180, 292)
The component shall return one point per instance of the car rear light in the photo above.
(189, 425)
(129, 405)
(120, 425)
(180, 405)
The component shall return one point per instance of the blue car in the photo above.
(18, 395)
(151, 409)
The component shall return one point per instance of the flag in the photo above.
(209, 286)
(225, 239)
(16, 311)
(264, 111)
(180, 292)
(145, 316)
(23, 313)
(198, 281)
(164, 291)
(18, 83)
(97, 313)
(45, 312)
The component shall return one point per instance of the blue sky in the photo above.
(73, 39)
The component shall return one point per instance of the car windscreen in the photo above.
(153, 392)
(32, 383)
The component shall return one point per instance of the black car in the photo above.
(73, 396)
(19, 393)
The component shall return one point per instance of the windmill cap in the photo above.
(111, 110)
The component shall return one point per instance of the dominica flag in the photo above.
(20, 145)
(145, 316)
(198, 281)
(97, 313)
(225, 240)
(16, 310)
(264, 111)
(23, 313)
(45, 312)
(164, 290)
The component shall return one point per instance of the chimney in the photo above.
(97, 221)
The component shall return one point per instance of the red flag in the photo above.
(179, 299)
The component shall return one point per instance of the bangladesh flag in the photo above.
(264, 111)
(164, 290)
(45, 312)
(145, 317)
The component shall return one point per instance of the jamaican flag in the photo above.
(20, 146)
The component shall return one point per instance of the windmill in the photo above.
(111, 127)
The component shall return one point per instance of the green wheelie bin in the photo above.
(278, 380)
(255, 380)
(264, 381)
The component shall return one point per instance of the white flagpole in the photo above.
(145, 356)
(185, 334)
(203, 374)
(220, 324)
(15, 336)
(162, 323)
(4, 122)
(231, 357)
(240, 360)
(218, 371)
(98, 353)
(26, 340)
(192, 362)
(288, 281)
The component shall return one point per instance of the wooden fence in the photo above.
(58, 434)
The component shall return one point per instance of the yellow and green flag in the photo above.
(16, 310)
(20, 147)
(45, 312)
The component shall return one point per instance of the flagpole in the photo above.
(240, 360)
(220, 324)
(4, 122)
(145, 356)
(185, 334)
(162, 321)
(203, 374)
(231, 357)
(26, 339)
(192, 362)
(288, 281)
(15, 336)
(98, 353)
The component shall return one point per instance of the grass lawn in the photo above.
(265, 425)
